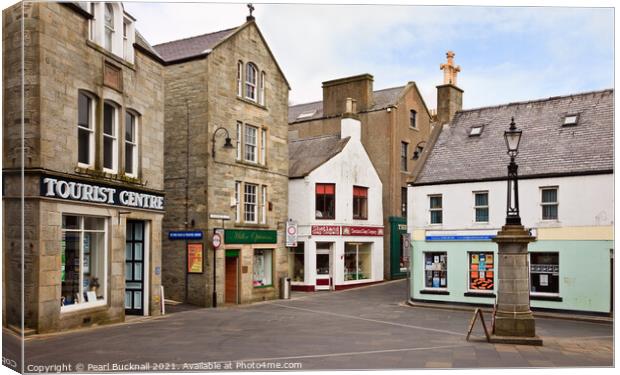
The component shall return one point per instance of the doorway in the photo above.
(135, 251)
(323, 266)
(231, 290)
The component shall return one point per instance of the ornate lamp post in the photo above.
(514, 322)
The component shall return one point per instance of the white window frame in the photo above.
(251, 84)
(261, 88)
(239, 78)
(529, 275)
(92, 23)
(107, 29)
(91, 130)
(481, 291)
(87, 305)
(114, 137)
(263, 146)
(431, 210)
(250, 146)
(239, 139)
(238, 201)
(263, 208)
(480, 207)
(135, 145)
(556, 203)
(250, 205)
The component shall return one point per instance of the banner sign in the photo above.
(185, 235)
(462, 235)
(291, 233)
(240, 236)
(194, 258)
(362, 231)
(75, 190)
(326, 230)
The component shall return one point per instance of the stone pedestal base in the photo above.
(514, 340)
(521, 325)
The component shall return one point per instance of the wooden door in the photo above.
(231, 289)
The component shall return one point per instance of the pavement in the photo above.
(364, 328)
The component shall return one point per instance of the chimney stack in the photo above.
(350, 125)
(336, 92)
(449, 96)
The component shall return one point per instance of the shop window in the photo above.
(403, 253)
(296, 262)
(263, 267)
(83, 261)
(110, 135)
(86, 130)
(131, 144)
(325, 202)
(481, 207)
(545, 273)
(435, 270)
(403, 156)
(251, 76)
(251, 135)
(549, 203)
(481, 271)
(239, 78)
(360, 203)
(436, 209)
(413, 119)
(249, 202)
(357, 261)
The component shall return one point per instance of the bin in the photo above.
(285, 288)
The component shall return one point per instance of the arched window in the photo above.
(250, 81)
(239, 78)
(109, 26)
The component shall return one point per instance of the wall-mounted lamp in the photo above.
(228, 143)
(418, 150)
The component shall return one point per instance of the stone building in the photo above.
(226, 156)
(87, 150)
(396, 127)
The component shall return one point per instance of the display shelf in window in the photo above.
(436, 270)
(481, 272)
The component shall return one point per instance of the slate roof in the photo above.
(141, 41)
(308, 154)
(546, 148)
(382, 99)
(193, 46)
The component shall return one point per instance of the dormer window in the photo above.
(112, 29)
(475, 131)
(570, 120)
(306, 114)
(109, 26)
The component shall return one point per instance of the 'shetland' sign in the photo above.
(80, 191)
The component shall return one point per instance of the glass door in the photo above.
(134, 268)
(323, 266)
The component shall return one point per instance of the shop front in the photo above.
(398, 232)
(333, 257)
(249, 262)
(99, 257)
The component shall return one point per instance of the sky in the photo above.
(506, 54)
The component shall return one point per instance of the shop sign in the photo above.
(240, 236)
(75, 190)
(185, 235)
(291, 233)
(362, 231)
(194, 258)
(217, 241)
(463, 235)
(326, 230)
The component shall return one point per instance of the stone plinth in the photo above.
(514, 318)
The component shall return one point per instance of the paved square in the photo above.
(366, 328)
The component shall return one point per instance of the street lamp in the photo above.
(512, 136)
(514, 322)
(228, 143)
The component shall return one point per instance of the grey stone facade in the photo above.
(60, 61)
(201, 96)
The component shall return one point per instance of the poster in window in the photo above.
(544, 280)
(194, 258)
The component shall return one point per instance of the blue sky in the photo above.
(506, 53)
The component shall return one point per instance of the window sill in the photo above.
(442, 292)
(109, 54)
(250, 101)
(325, 218)
(252, 164)
(81, 307)
(251, 225)
(479, 294)
(414, 128)
(263, 286)
(540, 297)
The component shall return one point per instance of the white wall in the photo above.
(583, 201)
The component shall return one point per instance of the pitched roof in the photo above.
(382, 99)
(141, 41)
(547, 147)
(308, 154)
(193, 46)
